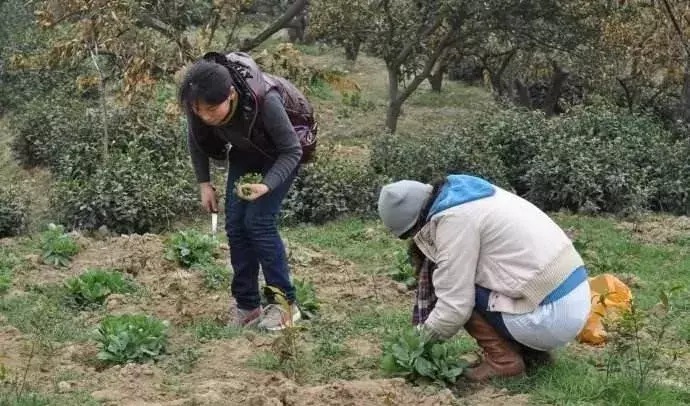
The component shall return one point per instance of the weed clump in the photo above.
(415, 356)
(131, 338)
(57, 247)
(95, 285)
(190, 247)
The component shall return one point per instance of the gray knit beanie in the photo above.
(400, 204)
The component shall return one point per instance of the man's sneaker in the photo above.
(275, 318)
(246, 318)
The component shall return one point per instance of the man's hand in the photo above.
(208, 197)
(252, 191)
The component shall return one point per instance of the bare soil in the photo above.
(659, 229)
(221, 374)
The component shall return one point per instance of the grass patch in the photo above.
(453, 94)
(44, 313)
(571, 381)
(312, 49)
(607, 249)
(321, 90)
(9, 397)
(209, 330)
(363, 242)
(7, 263)
(264, 360)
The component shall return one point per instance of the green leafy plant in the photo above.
(215, 276)
(95, 285)
(306, 297)
(131, 338)
(417, 357)
(241, 189)
(57, 247)
(402, 270)
(190, 247)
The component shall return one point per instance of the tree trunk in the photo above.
(551, 101)
(394, 103)
(436, 78)
(523, 98)
(685, 94)
(352, 49)
(392, 115)
(249, 44)
(397, 98)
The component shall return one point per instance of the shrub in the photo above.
(47, 128)
(57, 247)
(141, 184)
(515, 136)
(427, 159)
(95, 285)
(131, 338)
(191, 247)
(595, 159)
(671, 178)
(330, 188)
(599, 159)
(128, 194)
(12, 214)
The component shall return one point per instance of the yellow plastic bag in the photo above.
(616, 299)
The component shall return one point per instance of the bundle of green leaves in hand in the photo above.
(416, 356)
(242, 188)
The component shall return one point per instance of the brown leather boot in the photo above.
(502, 358)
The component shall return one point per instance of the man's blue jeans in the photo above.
(252, 229)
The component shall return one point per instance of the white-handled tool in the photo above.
(214, 222)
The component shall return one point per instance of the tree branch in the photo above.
(168, 31)
(506, 61)
(418, 79)
(231, 34)
(679, 31)
(214, 25)
(628, 93)
(249, 44)
(407, 50)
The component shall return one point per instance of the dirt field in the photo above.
(221, 372)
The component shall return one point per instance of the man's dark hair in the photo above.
(205, 81)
